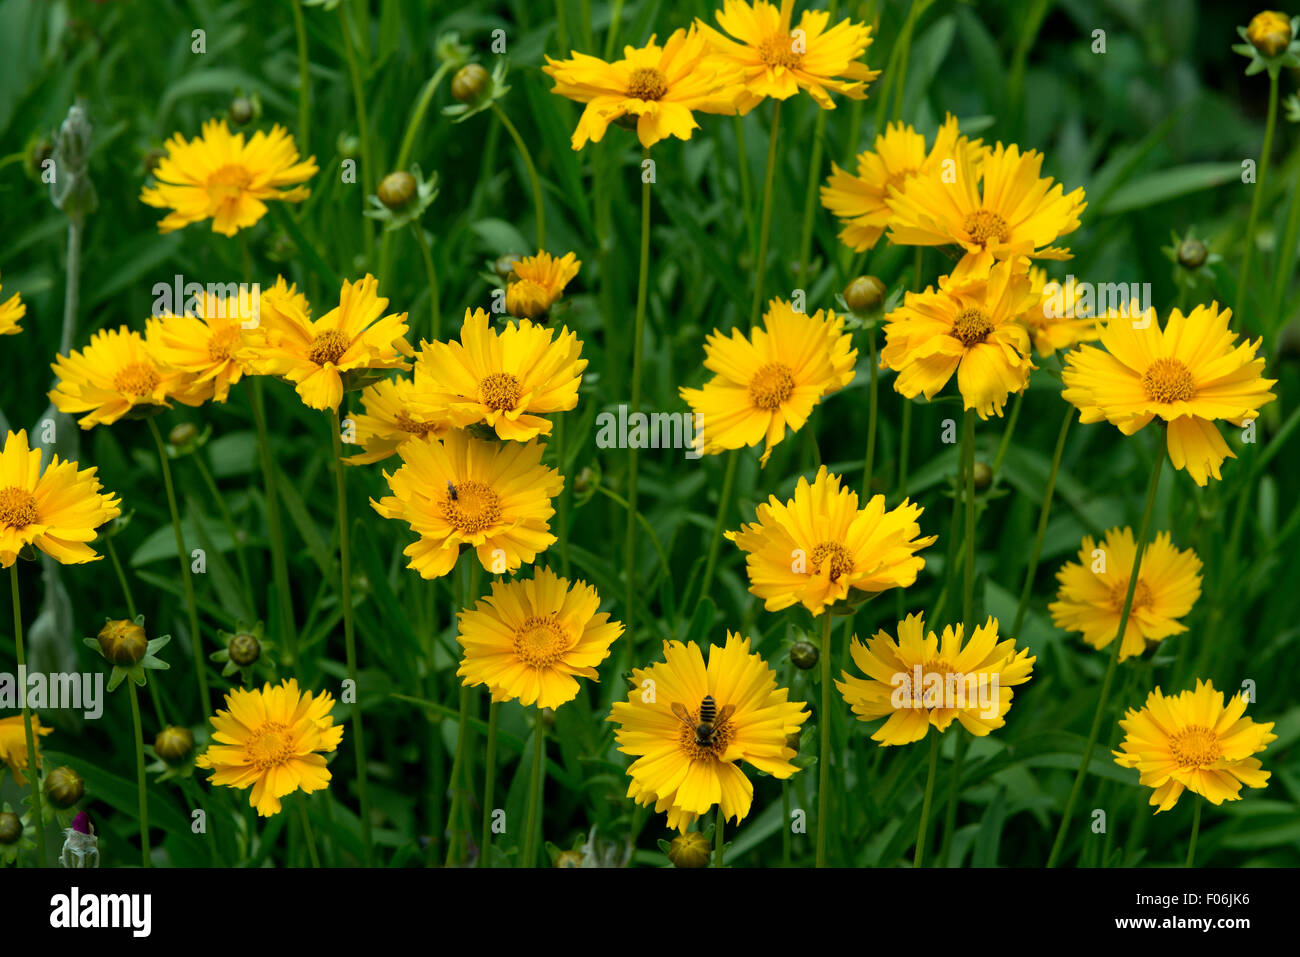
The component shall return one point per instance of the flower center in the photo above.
(971, 327)
(1195, 746)
(983, 225)
(329, 346)
(719, 738)
(221, 342)
(647, 83)
(17, 507)
(499, 391)
(542, 641)
(269, 746)
(1141, 595)
(408, 424)
(834, 558)
(138, 378)
(1168, 380)
(473, 508)
(771, 386)
(778, 50)
(227, 182)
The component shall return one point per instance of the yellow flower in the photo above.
(275, 740)
(1189, 374)
(13, 744)
(390, 419)
(354, 337)
(1015, 212)
(819, 547)
(684, 764)
(538, 282)
(218, 176)
(1092, 591)
(899, 154)
(509, 381)
(1059, 320)
(771, 380)
(56, 510)
(656, 87)
(1192, 742)
(1269, 32)
(920, 680)
(969, 326)
(117, 375)
(777, 61)
(207, 345)
(531, 640)
(10, 312)
(492, 496)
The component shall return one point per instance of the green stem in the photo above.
(140, 783)
(457, 785)
(349, 633)
(562, 500)
(431, 277)
(33, 762)
(719, 841)
(304, 81)
(307, 833)
(533, 179)
(638, 337)
(226, 518)
(868, 463)
(954, 791)
(1027, 589)
(489, 783)
(611, 38)
(1008, 432)
(363, 126)
(1248, 254)
(810, 196)
(1059, 843)
(904, 440)
(824, 752)
(719, 524)
(746, 190)
(1282, 274)
(1196, 829)
(182, 553)
(968, 568)
(536, 782)
(279, 557)
(765, 225)
(922, 832)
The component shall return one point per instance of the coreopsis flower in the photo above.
(274, 740)
(899, 153)
(689, 725)
(510, 381)
(494, 497)
(56, 510)
(119, 376)
(207, 344)
(971, 326)
(392, 417)
(1059, 320)
(1194, 742)
(537, 282)
(819, 548)
(657, 87)
(11, 311)
(533, 639)
(13, 743)
(770, 380)
(1188, 374)
(778, 61)
(354, 338)
(221, 177)
(1092, 592)
(920, 680)
(1000, 209)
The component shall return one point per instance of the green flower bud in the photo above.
(1269, 32)
(396, 190)
(1192, 254)
(244, 649)
(174, 744)
(803, 655)
(864, 293)
(241, 110)
(470, 82)
(64, 787)
(690, 850)
(123, 642)
(983, 475)
(11, 828)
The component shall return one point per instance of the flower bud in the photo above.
(983, 475)
(1192, 254)
(174, 744)
(568, 859)
(64, 787)
(1269, 32)
(803, 655)
(583, 481)
(244, 649)
(397, 189)
(183, 434)
(690, 850)
(241, 110)
(123, 642)
(348, 145)
(864, 293)
(11, 828)
(470, 83)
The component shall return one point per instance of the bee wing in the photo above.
(683, 715)
(725, 712)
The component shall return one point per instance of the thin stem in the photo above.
(824, 752)
(904, 440)
(922, 832)
(226, 519)
(719, 523)
(279, 557)
(33, 765)
(719, 841)
(1023, 606)
(532, 174)
(536, 782)
(968, 568)
(489, 783)
(1196, 829)
(182, 553)
(349, 633)
(457, 773)
(363, 126)
(742, 161)
(431, 277)
(1008, 432)
(868, 463)
(765, 224)
(1244, 281)
(304, 81)
(307, 833)
(615, 18)
(638, 343)
(121, 578)
(1059, 843)
(562, 500)
(140, 783)
(954, 791)
(810, 195)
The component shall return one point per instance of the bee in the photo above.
(710, 718)
(451, 491)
